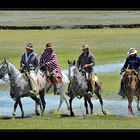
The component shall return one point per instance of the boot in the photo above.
(121, 93)
(55, 88)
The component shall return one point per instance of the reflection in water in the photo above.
(118, 108)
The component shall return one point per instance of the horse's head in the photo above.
(71, 68)
(130, 79)
(3, 68)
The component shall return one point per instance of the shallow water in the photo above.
(105, 68)
(118, 108)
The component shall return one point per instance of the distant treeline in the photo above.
(70, 27)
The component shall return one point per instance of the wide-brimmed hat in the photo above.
(49, 45)
(85, 46)
(29, 46)
(132, 51)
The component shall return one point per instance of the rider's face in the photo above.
(85, 51)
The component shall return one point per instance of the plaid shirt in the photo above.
(50, 60)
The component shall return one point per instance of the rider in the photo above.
(131, 62)
(87, 60)
(28, 64)
(49, 60)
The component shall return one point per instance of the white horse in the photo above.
(20, 86)
(61, 90)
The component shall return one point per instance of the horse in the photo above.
(79, 88)
(61, 87)
(20, 86)
(131, 88)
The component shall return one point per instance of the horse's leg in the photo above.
(130, 99)
(66, 102)
(97, 92)
(85, 103)
(138, 99)
(90, 103)
(15, 107)
(37, 103)
(21, 108)
(62, 97)
(61, 101)
(70, 102)
(42, 97)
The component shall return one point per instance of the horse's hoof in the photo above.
(13, 118)
(104, 112)
(72, 114)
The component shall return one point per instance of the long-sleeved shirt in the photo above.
(86, 59)
(30, 62)
(50, 60)
(132, 62)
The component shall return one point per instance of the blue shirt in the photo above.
(132, 62)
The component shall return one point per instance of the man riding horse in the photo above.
(28, 65)
(49, 61)
(87, 60)
(132, 62)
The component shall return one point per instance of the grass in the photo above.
(108, 45)
(56, 122)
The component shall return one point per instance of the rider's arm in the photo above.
(78, 62)
(22, 64)
(124, 66)
(91, 61)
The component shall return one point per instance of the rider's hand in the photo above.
(86, 65)
(22, 65)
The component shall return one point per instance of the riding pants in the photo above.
(91, 77)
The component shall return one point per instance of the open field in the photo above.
(68, 18)
(108, 45)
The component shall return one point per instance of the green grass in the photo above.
(108, 45)
(56, 122)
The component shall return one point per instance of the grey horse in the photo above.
(79, 88)
(19, 87)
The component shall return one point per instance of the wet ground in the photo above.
(118, 108)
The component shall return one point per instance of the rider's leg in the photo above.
(121, 90)
(91, 77)
(33, 83)
(54, 82)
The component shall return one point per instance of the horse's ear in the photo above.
(4, 60)
(74, 62)
(68, 62)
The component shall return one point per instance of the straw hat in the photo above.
(85, 46)
(29, 46)
(132, 51)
